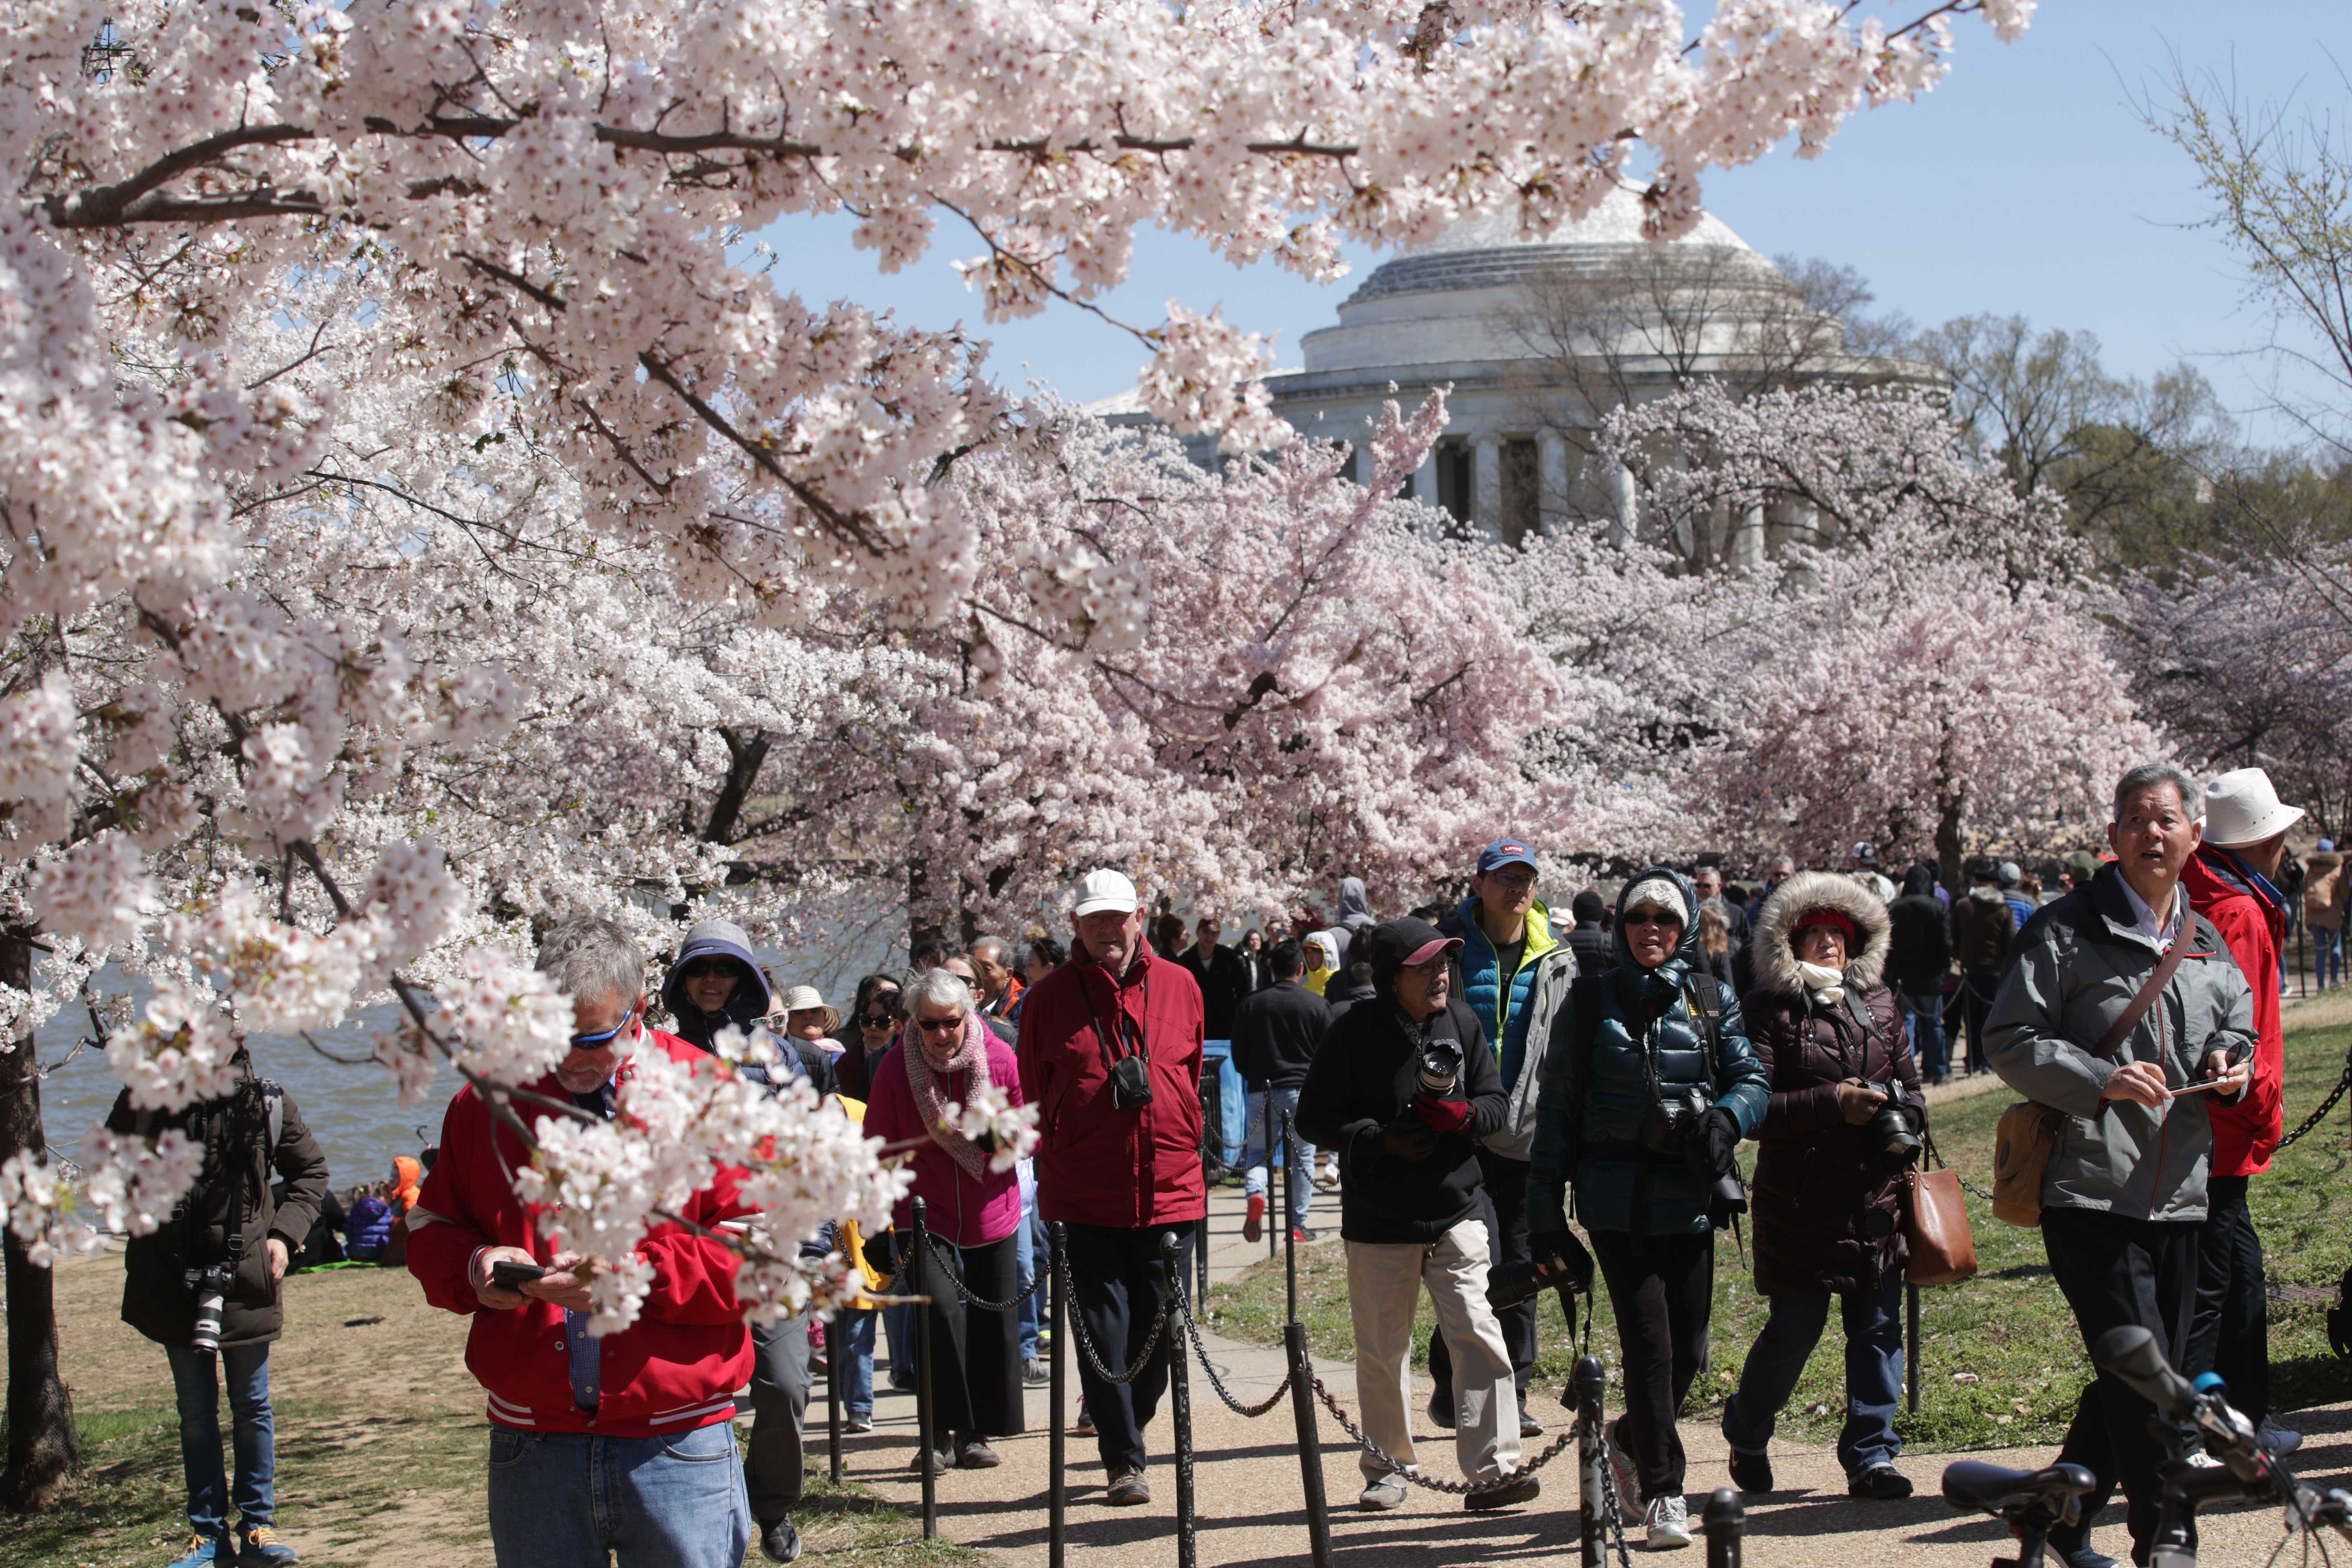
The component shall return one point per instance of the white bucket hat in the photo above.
(1105, 890)
(2243, 808)
(808, 999)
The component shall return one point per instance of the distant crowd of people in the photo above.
(1501, 1091)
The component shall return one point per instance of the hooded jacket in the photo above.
(1514, 1010)
(1364, 1081)
(1099, 1163)
(2077, 968)
(2322, 890)
(1825, 1203)
(675, 1369)
(2251, 918)
(248, 1133)
(1919, 942)
(1355, 918)
(1983, 927)
(1588, 1129)
(750, 1001)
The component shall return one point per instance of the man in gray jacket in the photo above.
(2123, 1196)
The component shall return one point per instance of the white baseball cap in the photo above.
(2243, 808)
(1105, 890)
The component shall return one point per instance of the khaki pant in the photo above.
(1383, 1286)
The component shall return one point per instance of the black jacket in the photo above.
(240, 1158)
(1276, 1032)
(1920, 949)
(1342, 1002)
(1595, 953)
(1364, 1079)
(1224, 980)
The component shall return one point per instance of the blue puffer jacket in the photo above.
(1589, 1132)
(1483, 981)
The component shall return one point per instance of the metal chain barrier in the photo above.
(1612, 1506)
(1412, 1473)
(2334, 1096)
(1192, 1331)
(950, 1267)
(1086, 1346)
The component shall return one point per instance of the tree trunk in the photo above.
(745, 757)
(43, 1448)
(1947, 842)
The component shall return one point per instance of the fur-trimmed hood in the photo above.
(1776, 962)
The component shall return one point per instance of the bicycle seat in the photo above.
(1979, 1488)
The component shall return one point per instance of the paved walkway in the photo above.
(1249, 1512)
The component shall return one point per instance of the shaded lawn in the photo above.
(2001, 1362)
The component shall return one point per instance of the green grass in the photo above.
(2001, 1362)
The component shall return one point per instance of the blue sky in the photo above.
(2025, 184)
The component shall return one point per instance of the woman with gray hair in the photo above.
(945, 1058)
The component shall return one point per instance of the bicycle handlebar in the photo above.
(2131, 1354)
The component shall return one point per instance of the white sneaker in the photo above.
(1629, 1481)
(1669, 1522)
(2280, 1440)
(2199, 1459)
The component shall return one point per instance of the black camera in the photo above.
(1131, 1084)
(1441, 1067)
(1561, 1260)
(211, 1285)
(1674, 1117)
(1888, 1132)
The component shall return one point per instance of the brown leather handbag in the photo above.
(1936, 1226)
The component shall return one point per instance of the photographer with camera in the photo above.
(1404, 1087)
(1843, 1123)
(1649, 1086)
(206, 1287)
(1110, 1055)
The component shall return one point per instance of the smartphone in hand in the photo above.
(509, 1275)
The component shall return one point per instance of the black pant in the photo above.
(2115, 1271)
(1976, 1005)
(2231, 1332)
(1117, 1284)
(773, 1471)
(1504, 1181)
(1663, 1294)
(976, 1353)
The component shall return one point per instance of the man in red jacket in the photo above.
(623, 1444)
(1110, 1055)
(2229, 882)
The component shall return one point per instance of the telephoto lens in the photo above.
(1441, 1067)
(211, 1286)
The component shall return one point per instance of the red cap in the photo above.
(1836, 919)
(1429, 950)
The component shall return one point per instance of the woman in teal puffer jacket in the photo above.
(1649, 1085)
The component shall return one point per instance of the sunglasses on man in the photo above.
(594, 1042)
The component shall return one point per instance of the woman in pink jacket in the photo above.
(945, 1056)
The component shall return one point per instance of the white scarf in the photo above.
(1825, 986)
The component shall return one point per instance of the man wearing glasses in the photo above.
(623, 1445)
(1514, 975)
(1404, 1087)
(1110, 1054)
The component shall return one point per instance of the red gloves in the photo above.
(1443, 1115)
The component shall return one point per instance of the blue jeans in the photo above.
(849, 1346)
(1027, 1248)
(1926, 1011)
(2326, 958)
(253, 1435)
(1299, 1157)
(1873, 1372)
(563, 1500)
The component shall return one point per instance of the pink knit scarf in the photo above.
(930, 1099)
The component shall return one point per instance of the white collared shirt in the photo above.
(2160, 932)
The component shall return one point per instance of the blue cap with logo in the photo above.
(1504, 852)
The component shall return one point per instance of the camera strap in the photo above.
(1126, 1040)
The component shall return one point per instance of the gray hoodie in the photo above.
(2076, 969)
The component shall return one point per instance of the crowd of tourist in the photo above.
(1496, 1086)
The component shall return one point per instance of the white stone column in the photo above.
(1624, 505)
(1551, 507)
(1486, 484)
(1747, 540)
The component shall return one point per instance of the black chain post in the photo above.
(924, 1433)
(1911, 1308)
(1180, 1406)
(1200, 1245)
(1726, 1521)
(1269, 1120)
(1591, 1384)
(1057, 1489)
(1310, 1441)
(832, 1351)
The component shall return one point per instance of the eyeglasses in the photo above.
(591, 1042)
(939, 1025)
(1432, 970)
(1514, 881)
(1651, 918)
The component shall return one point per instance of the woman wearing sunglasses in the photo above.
(1649, 1086)
(945, 1057)
(872, 1027)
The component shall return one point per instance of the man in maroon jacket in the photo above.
(623, 1444)
(2228, 881)
(1110, 1055)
